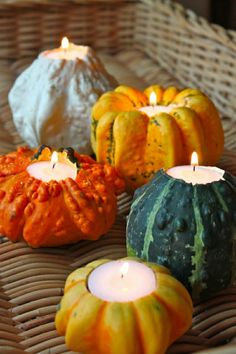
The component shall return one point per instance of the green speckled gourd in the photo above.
(188, 228)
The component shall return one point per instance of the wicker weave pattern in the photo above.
(32, 281)
(148, 41)
(195, 52)
(192, 50)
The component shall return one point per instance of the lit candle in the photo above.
(47, 171)
(67, 51)
(196, 174)
(122, 281)
(154, 109)
(134, 307)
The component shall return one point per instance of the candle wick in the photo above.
(122, 275)
(194, 168)
(53, 165)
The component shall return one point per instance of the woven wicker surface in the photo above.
(129, 67)
(32, 281)
(144, 42)
(194, 51)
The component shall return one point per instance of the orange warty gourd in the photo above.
(144, 326)
(139, 145)
(56, 213)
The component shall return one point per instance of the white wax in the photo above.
(71, 53)
(43, 170)
(201, 175)
(152, 110)
(108, 283)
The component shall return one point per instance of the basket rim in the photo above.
(23, 3)
(186, 17)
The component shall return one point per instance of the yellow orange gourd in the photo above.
(56, 213)
(139, 145)
(144, 326)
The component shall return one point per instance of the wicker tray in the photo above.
(32, 281)
(140, 43)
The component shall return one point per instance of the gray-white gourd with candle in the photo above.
(52, 99)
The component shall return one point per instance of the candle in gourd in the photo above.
(154, 108)
(56, 198)
(185, 218)
(124, 306)
(51, 100)
(196, 174)
(52, 170)
(142, 132)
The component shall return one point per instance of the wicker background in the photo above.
(140, 42)
(157, 33)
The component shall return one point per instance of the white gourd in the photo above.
(51, 100)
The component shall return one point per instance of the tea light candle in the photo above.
(67, 51)
(196, 174)
(47, 171)
(128, 303)
(122, 281)
(154, 109)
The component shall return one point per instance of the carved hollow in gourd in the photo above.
(56, 213)
(188, 228)
(143, 326)
(139, 145)
(51, 100)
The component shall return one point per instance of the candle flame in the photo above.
(124, 269)
(54, 158)
(194, 159)
(65, 43)
(153, 98)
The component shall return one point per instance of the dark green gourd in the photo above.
(190, 229)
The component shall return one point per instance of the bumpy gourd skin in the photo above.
(144, 326)
(189, 229)
(139, 146)
(56, 213)
(57, 97)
